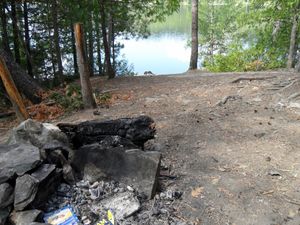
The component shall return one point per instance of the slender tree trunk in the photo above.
(27, 40)
(194, 52)
(15, 32)
(57, 41)
(99, 61)
(5, 41)
(110, 71)
(74, 51)
(91, 46)
(83, 65)
(293, 40)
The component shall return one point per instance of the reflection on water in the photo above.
(166, 50)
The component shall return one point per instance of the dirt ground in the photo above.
(235, 146)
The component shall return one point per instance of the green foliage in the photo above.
(124, 69)
(71, 99)
(261, 28)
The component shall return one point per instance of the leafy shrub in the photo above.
(71, 99)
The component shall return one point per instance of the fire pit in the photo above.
(90, 170)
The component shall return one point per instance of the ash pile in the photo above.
(95, 172)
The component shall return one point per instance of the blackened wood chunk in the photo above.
(138, 130)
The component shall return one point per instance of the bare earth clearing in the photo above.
(235, 147)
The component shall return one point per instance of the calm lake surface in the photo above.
(165, 51)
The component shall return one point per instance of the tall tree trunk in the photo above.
(99, 61)
(83, 65)
(110, 71)
(194, 52)
(27, 40)
(74, 51)
(5, 41)
(25, 83)
(294, 31)
(15, 32)
(59, 77)
(91, 46)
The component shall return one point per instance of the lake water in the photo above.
(166, 50)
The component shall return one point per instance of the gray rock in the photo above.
(25, 191)
(48, 178)
(132, 167)
(17, 159)
(37, 134)
(122, 204)
(4, 214)
(26, 217)
(43, 172)
(6, 195)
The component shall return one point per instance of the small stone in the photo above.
(268, 159)
(87, 222)
(94, 193)
(95, 184)
(274, 173)
(130, 189)
(83, 184)
(122, 204)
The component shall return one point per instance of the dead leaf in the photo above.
(197, 192)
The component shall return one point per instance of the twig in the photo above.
(286, 198)
(227, 98)
(7, 114)
(293, 96)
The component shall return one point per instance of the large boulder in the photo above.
(134, 167)
(17, 159)
(37, 134)
(6, 195)
(136, 130)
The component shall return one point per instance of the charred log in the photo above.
(136, 130)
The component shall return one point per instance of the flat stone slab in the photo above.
(25, 191)
(133, 167)
(6, 195)
(17, 159)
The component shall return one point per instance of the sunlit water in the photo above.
(166, 51)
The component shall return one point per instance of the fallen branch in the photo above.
(289, 85)
(6, 114)
(293, 96)
(251, 79)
